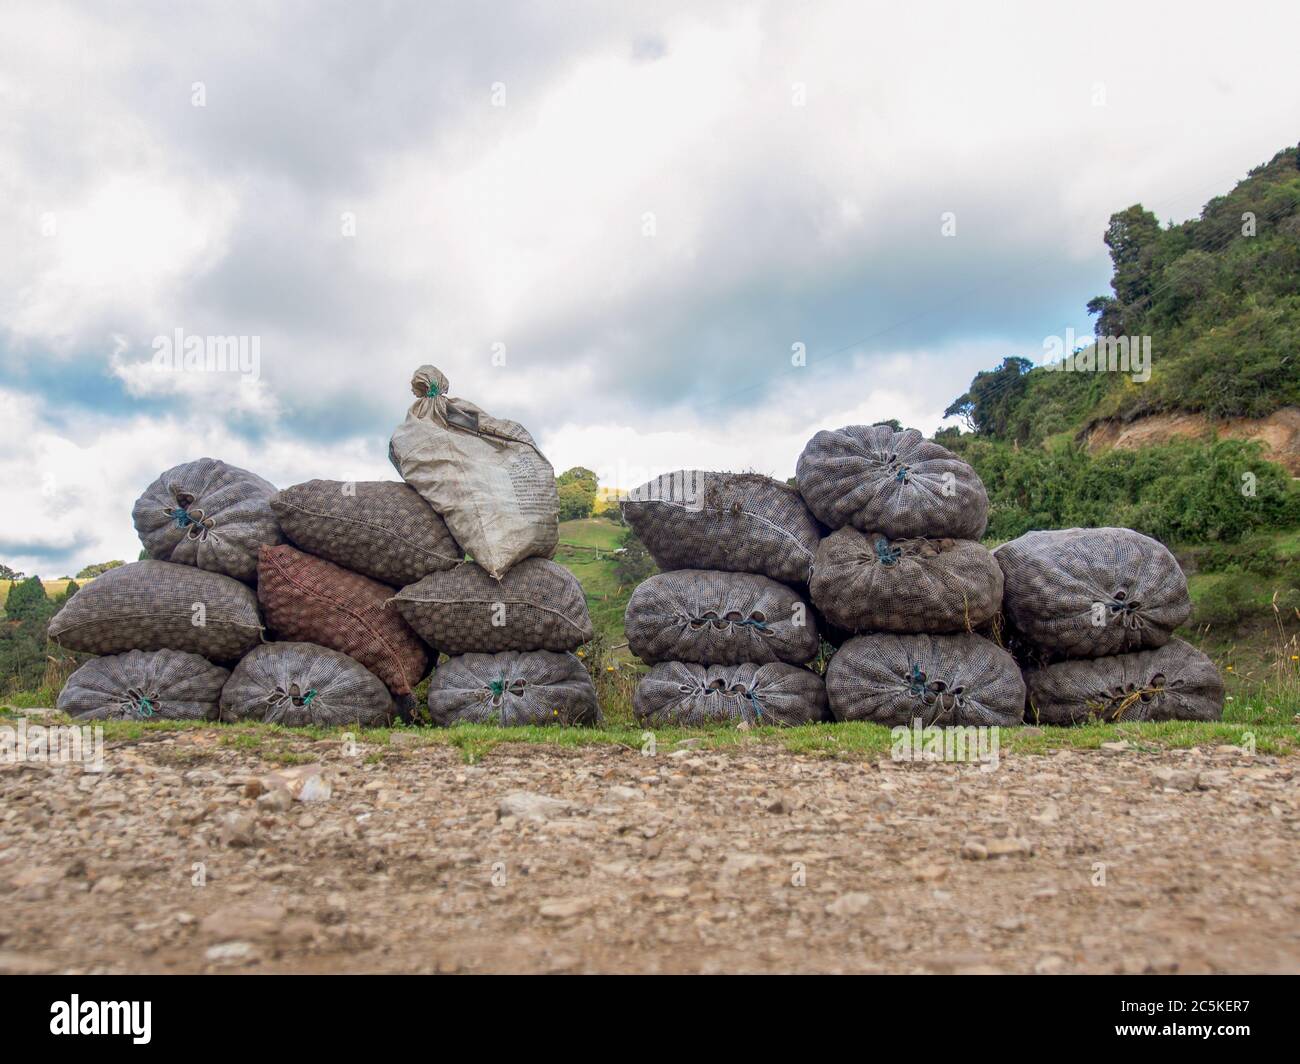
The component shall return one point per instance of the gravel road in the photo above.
(191, 854)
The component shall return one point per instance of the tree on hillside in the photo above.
(988, 405)
(92, 571)
(28, 601)
(1133, 237)
(11, 575)
(68, 592)
(577, 489)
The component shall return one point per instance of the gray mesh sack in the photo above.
(210, 515)
(730, 522)
(512, 689)
(898, 483)
(381, 529)
(680, 693)
(301, 684)
(160, 606)
(1092, 592)
(144, 685)
(939, 679)
(1172, 682)
(865, 582)
(718, 619)
(539, 606)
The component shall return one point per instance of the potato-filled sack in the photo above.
(729, 522)
(310, 600)
(144, 685)
(866, 582)
(936, 679)
(1172, 682)
(512, 689)
(1092, 592)
(160, 606)
(681, 693)
(210, 515)
(301, 684)
(537, 605)
(719, 619)
(381, 529)
(898, 483)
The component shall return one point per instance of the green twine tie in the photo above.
(306, 699)
(144, 708)
(434, 391)
(498, 687)
(886, 554)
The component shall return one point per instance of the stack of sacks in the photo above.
(1095, 610)
(171, 624)
(511, 641)
(511, 618)
(903, 575)
(725, 627)
(167, 627)
(327, 593)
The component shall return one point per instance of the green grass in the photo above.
(586, 550)
(1274, 728)
(591, 532)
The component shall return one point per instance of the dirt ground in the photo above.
(188, 855)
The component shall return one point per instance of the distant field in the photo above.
(586, 550)
(607, 498)
(53, 588)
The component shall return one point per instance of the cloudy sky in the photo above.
(610, 222)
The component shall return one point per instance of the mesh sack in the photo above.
(160, 606)
(680, 693)
(513, 688)
(730, 522)
(210, 515)
(1172, 682)
(144, 685)
(310, 600)
(938, 679)
(867, 583)
(1092, 592)
(536, 605)
(381, 529)
(484, 475)
(301, 684)
(896, 483)
(718, 619)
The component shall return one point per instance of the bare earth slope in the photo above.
(1278, 434)
(757, 859)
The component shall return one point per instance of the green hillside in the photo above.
(1219, 299)
(587, 549)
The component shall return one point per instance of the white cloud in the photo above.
(796, 162)
(69, 490)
